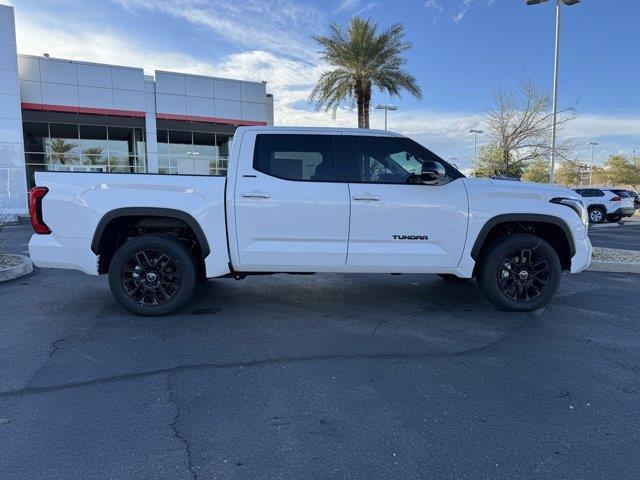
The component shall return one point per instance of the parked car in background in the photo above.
(636, 198)
(627, 207)
(603, 205)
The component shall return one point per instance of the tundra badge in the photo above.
(410, 237)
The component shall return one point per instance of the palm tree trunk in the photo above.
(361, 119)
(359, 94)
(367, 104)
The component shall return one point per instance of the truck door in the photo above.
(291, 204)
(396, 221)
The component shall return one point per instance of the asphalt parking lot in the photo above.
(625, 237)
(325, 376)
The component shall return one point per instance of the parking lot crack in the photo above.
(378, 325)
(493, 343)
(174, 423)
(55, 346)
(265, 362)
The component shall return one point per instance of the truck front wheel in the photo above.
(519, 273)
(152, 274)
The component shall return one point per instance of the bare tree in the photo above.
(519, 124)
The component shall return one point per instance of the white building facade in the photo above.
(66, 115)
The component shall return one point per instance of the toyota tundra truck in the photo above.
(309, 200)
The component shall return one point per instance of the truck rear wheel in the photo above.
(152, 274)
(520, 273)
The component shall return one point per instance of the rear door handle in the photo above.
(255, 195)
(367, 196)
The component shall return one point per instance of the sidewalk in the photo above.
(15, 239)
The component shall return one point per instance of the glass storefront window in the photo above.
(163, 142)
(35, 136)
(93, 141)
(224, 144)
(167, 165)
(186, 152)
(204, 144)
(140, 143)
(121, 141)
(180, 143)
(83, 148)
(63, 146)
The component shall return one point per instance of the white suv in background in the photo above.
(605, 204)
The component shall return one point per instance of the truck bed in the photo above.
(77, 201)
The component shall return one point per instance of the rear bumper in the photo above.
(51, 251)
(625, 212)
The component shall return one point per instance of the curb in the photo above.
(614, 267)
(24, 268)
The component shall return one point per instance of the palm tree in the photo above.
(60, 149)
(94, 155)
(361, 59)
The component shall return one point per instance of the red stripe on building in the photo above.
(93, 111)
(135, 113)
(198, 118)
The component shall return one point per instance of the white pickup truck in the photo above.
(301, 200)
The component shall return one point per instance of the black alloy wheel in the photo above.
(520, 272)
(152, 274)
(524, 274)
(151, 277)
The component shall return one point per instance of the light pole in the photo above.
(592, 144)
(386, 108)
(475, 145)
(556, 61)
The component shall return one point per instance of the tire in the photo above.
(597, 215)
(504, 257)
(152, 275)
(448, 277)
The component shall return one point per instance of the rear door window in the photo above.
(308, 158)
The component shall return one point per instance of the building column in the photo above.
(13, 179)
(151, 135)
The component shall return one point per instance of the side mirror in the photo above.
(432, 173)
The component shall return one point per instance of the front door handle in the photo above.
(367, 196)
(255, 194)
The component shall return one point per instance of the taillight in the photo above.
(35, 210)
(616, 199)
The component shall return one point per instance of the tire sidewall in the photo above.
(492, 259)
(168, 245)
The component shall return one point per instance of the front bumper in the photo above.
(582, 258)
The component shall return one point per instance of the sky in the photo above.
(462, 51)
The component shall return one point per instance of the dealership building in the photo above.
(62, 115)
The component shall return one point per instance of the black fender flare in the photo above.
(151, 212)
(522, 217)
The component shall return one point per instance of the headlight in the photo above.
(577, 205)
